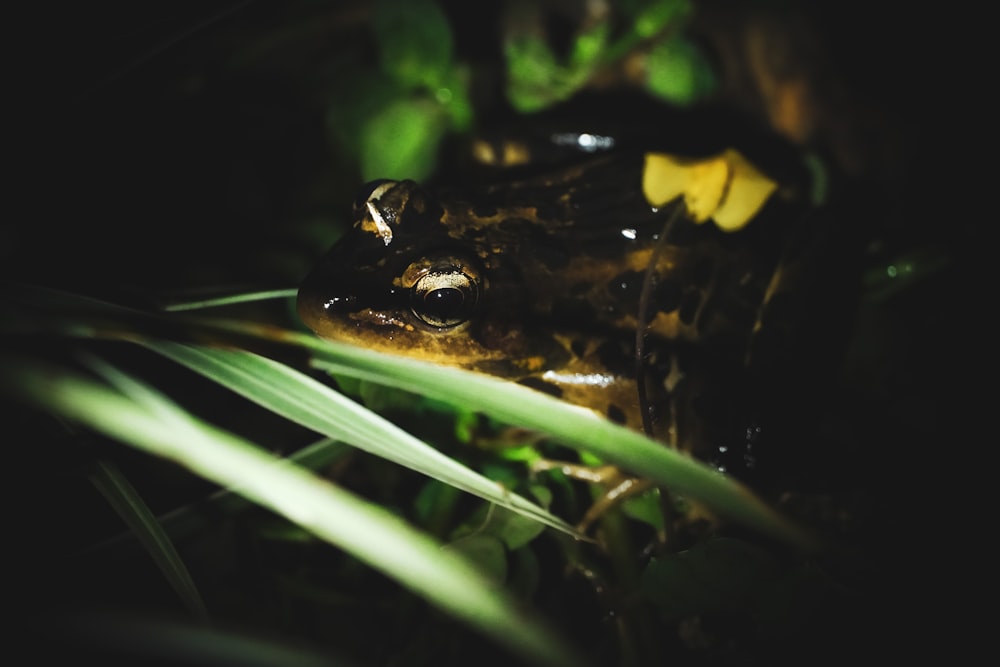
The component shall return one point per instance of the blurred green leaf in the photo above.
(588, 47)
(646, 508)
(401, 140)
(512, 530)
(537, 77)
(435, 505)
(486, 551)
(652, 17)
(678, 72)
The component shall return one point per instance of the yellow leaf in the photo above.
(726, 188)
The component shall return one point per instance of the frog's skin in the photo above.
(538, 281)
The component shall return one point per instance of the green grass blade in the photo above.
(230, 300)
(189, 519)
(372, 534)
(303, 400)
(575, 426)
(128, 504)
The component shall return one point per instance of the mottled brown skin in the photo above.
(558, 264)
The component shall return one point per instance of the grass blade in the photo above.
(191, 518)
(128, 504)
(301, 399)
(574, 426)
(372, 534)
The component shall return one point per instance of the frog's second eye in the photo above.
(444, 297)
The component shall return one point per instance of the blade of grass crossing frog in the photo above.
(230, 299)
(572, 425)
(301, 399)
(372, 534)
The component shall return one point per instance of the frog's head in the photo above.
(403, 281)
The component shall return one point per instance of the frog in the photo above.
(579, 281)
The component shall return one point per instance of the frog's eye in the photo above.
(445, 296)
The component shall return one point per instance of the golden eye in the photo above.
(445, 296)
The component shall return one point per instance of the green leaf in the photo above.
(486, 551)
(656, 15)
(230, 299)
(538, 78)
(646, 508)
(513, 530)
(401, 140)
(435, 505)
(535, 79)
(679, 73)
